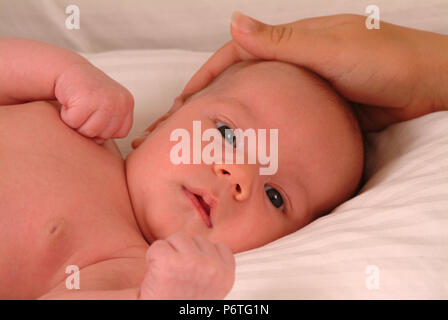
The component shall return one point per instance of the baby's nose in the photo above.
(241, 177)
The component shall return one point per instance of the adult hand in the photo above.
(392, 74)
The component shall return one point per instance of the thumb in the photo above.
(295, 42)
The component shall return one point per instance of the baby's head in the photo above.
(320, 159)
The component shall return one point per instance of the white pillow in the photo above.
(389, 242)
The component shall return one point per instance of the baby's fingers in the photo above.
(125, 126)
(226, 254)
(205, 246)
(99, 140)
(94, 125)
(113, 125)
(75, 117)
(183, 243)
(103, 126)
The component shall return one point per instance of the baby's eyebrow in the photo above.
(244, 107)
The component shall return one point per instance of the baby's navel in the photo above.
(55, 244)
(55, 227)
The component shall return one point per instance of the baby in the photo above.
(143, 227)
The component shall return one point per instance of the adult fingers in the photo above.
(307, 42)
(227, 55)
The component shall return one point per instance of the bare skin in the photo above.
(67, 209)
(64, 197)
(70, 214)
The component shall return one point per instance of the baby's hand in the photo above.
(93, 104)
(188, 268)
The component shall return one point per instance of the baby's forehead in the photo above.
(283, 96)
(282, 84)
(304, 108)
(276, 74)
(273, 89)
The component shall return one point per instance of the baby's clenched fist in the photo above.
(94, 104)
(188, 268)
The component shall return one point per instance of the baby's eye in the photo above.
(275, 197)
(227, 133)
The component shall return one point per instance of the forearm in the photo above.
(29, 69)
(436, 65)
(444, 71)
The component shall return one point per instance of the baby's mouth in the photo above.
(204, 205)
(200, 204)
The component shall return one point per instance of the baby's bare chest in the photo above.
(62, 199)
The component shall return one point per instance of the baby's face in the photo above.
(320, 161)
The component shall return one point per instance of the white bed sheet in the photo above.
(199, 25)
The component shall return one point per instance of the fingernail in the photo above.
(243, 23)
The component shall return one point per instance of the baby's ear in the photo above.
(178, 102)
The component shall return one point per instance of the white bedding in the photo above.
(198, 25)
(396, 228)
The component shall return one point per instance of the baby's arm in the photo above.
(29, 69)
(92, 103)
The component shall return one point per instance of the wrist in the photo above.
(444, 86)
(78, 71)
(439, 76)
